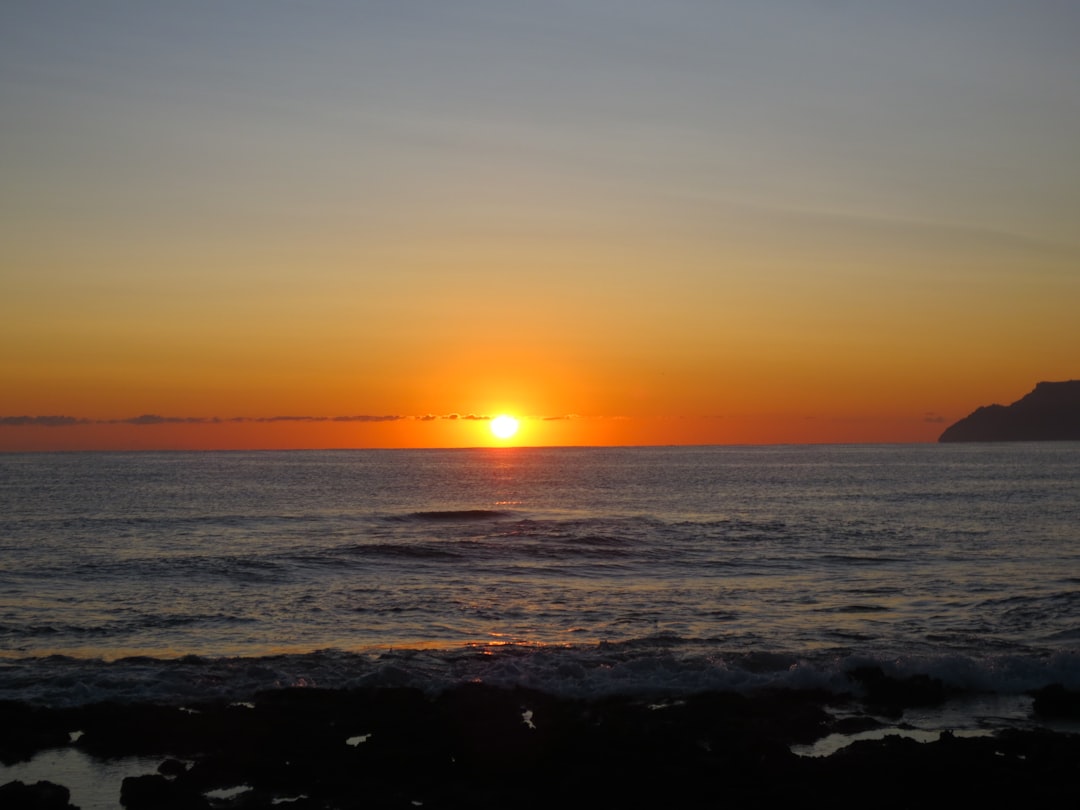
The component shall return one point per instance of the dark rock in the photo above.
(39, 796)
(25, 730)
(155, 792)
(1056, 701)
(893, 695)
(1049, 413)
(172, 767)
(1017, 768)
(478, 746)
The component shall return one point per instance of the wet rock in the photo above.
(892, 695)
(478, 746)
(156, 792)
(39, 796)
(1057, 701)
(25, 730)
(172, 767)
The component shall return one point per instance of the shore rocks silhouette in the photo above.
(1049, 413)
(478, 746)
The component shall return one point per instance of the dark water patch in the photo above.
(595, 540)
(408, 551)
(848, 636)
(568, 551)
(28, 631)
(618, 532)
(854, 609)
(143, 574)
(1033, 610)
(860, 559)
(312, 558)
(723, 615)
(230, 569)
(249, 570)
(460, 514)
(120, 627)
(1064, 635)
(880, 590)
(662, 640)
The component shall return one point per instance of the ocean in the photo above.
(175, 576)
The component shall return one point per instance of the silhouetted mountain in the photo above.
(1049, 413)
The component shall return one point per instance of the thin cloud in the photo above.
(42, 421)
(290, 419)
(151, 419)
(155, 419)
(347, 418)
(469, 417)
(368, 418)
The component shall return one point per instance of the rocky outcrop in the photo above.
(39, 796)
(478, 746)
(1049, 413)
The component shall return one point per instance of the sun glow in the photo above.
(504, 426)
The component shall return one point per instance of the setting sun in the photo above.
(504, 426)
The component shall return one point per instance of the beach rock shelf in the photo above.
(478, 746)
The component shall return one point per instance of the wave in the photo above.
(663, 664)
(415, 551)
(114, 627)
(460, 514)
(855, 609)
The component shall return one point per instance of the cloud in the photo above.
(935, 418)
(150, 419)
(368, 418)
(559, 418)
(41, 421)
(158, 419)
(290, 419)
(155, 419)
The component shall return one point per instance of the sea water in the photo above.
(189, 575)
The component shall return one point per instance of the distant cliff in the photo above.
(1049, 413)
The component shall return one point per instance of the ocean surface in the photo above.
(582, 571)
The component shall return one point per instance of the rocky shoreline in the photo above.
(479, 746)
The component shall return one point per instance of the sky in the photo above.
(271, 223)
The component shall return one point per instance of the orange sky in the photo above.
(662, 224)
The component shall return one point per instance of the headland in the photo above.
(1049, 413)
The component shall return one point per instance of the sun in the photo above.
(504, 426)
